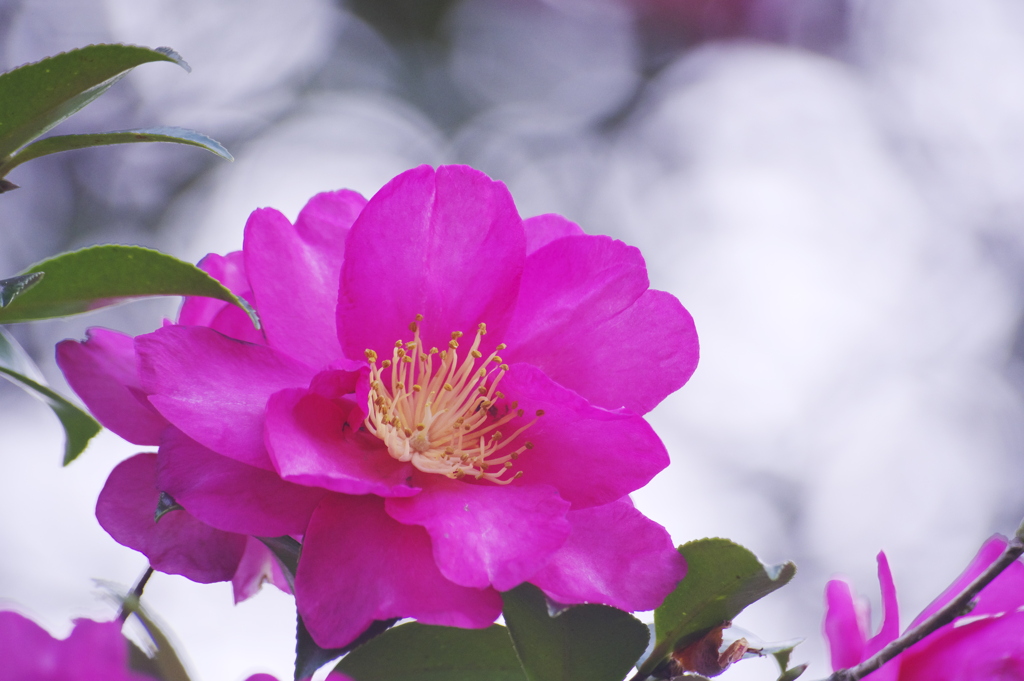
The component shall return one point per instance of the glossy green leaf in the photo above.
(419, 652)
(18, 367)
(99, 276)
(580, 643)
(309, 656)
(722, 579)
(36, 97)
(57, 143)
(15, 286)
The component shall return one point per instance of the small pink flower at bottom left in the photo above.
(94, 651)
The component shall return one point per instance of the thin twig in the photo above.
(949, 612)
(132, 599)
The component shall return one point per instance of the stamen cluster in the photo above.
(444, 419)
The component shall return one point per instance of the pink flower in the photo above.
(445, 401)
(94, 650)
(985, 644)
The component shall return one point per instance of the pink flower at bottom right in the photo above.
(986, 644)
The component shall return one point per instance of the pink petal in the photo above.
(257, 567)
(214, 388)
(96, 650)
(981, 650)
(447, 244)
(615, 556)
(93, 651)
(586, 318)
(102, 372)
(1003, 593)
(229, 495)
(229, 319)
(178, 544)
(358, 565)
(486, 534)
(890, 628)
(295, 272)
(543, 229)
(27, 650)
(843, 630)
(311, 443)
(591, 455)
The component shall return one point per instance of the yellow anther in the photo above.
(446, 422)
(501, 346)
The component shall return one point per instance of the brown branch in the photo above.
(131, 601)
(949, 612)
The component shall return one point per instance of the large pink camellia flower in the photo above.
(984, 645)
(444, 401)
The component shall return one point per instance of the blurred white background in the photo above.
(834, 189)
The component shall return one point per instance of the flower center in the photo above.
(440, 414)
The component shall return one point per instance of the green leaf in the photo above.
(420, 652)
(793, 673)
(36, 97)
(309, 656)
(139, 661)
(580, 643)
(52, 145)
(18, 367)
(98, 276)
(782, 652)
(164, 658)
(722, 579)
(15, 286)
